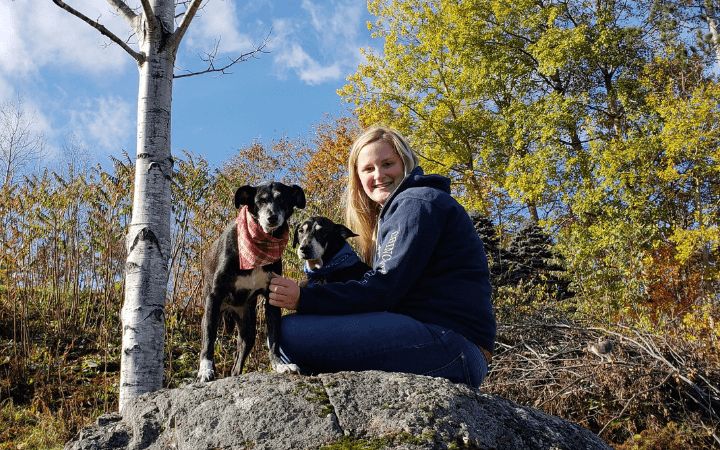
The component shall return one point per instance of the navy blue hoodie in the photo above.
(429, 265)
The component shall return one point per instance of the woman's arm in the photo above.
(407, 238)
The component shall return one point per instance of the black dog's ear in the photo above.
(245, 195)
(295, 235)
(298, 196)
(344, 231)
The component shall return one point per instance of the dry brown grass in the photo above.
(659, 391)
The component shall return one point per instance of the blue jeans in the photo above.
(379, 341)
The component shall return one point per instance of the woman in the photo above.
(425, 307)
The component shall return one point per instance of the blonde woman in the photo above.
(425, 306)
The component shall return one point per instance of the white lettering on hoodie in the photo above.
(386, 254)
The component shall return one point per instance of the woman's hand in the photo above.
(284, 293)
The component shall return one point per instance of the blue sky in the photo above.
(74, 81)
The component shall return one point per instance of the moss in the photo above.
(428, 412)
(326, 410)
(407, 438)
(353, 443)
(317, 394)
(377, 443)
(429, 436)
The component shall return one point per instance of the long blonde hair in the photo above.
(361, 213)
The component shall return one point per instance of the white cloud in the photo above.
(37, 36)
(106, 122)
(36, 33)
(336, 26)
(218, 20)
(6, 90)
(41, 123)
(322, 47)
(78, 82)
(37, 41)
(309, 70)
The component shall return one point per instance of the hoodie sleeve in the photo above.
(407, 238)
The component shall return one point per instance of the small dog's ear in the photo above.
(295, 235)
(245, 195)
(344, 231)
(298, 196)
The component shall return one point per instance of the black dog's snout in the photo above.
(273, 219)
(305, 249)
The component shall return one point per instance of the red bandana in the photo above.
(256, 247)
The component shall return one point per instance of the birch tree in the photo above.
(148, 239)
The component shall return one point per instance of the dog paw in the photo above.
(287, 368)
(205, 377)
(206, 372)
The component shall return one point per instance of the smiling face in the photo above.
(380, 170)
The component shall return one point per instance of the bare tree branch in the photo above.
(210, 59)
(20, 144)
(150, 15)
(177, 36)
(629, 402)
(125, 11)
(184, 3)
(139, 57)
(543, 362)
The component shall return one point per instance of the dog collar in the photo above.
(257, 248)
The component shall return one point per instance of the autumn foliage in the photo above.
(578, 116)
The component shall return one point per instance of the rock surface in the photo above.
(347, 410)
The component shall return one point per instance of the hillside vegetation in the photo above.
(583, 138)
(62, 290)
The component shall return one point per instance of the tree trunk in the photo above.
(613, 104)
(532, 209)
(712, 21)
(148, 239)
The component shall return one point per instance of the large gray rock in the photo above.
(348, 410)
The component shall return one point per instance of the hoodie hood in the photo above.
(417, 178)
(429, 265)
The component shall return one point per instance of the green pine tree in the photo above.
(533, 261)
(498, 258)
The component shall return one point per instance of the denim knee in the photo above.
(469, 367)
(456, 371)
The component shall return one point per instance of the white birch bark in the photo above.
(148, 239)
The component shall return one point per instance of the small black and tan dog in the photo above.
(328, 257)
(238, 268)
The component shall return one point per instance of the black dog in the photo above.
(329, 258)
(238, 268)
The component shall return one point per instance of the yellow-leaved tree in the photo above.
(548, 110)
